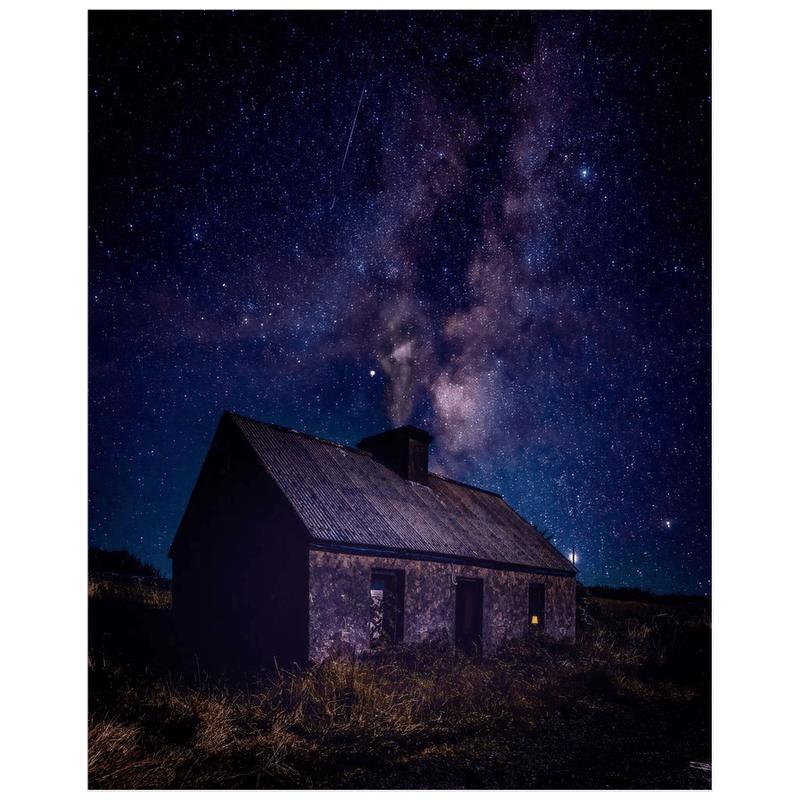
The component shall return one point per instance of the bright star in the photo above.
(585, 173)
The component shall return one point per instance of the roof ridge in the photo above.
(283, 428)
(275, 426)
(466, 485)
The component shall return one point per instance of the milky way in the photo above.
(493, 226)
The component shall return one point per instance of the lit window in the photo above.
(536, 605)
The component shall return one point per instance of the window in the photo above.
(386, 607)
(536, 605)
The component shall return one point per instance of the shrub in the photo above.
(119, 562)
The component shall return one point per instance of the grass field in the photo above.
(628, 706)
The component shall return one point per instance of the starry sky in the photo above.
(495, 226)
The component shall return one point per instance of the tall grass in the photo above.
(130, 589)
(338, 720)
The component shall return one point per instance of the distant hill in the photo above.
(640, 595)
(119, 562)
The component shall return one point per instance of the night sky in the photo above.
(495, 226)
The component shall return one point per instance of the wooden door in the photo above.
(469, 615)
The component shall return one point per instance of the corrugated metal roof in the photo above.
(346, 497)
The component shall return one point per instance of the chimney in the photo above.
(405, 450)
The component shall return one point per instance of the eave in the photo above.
(441, 558)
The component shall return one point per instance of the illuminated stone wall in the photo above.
(339, 602)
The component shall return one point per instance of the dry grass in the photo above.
(419, 716)
(139, 591)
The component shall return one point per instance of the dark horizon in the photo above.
(121, 563)
(493, 226)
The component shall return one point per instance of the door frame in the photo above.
(469, 615)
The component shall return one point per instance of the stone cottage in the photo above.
(295, 548)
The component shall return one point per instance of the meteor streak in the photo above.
(353, 127)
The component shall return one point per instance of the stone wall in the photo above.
(339, 602)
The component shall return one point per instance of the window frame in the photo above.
(537, 603)
(397, 609)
